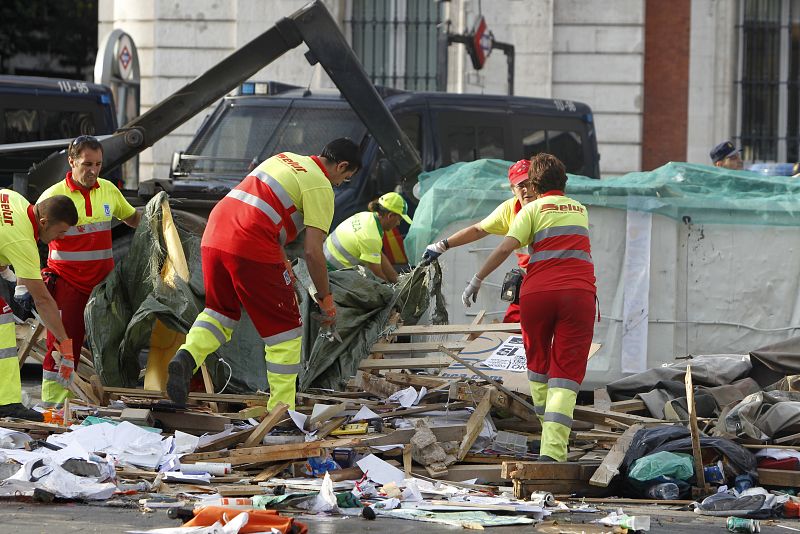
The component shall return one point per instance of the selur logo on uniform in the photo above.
(562, 207)
(5, 208)
(291, 163)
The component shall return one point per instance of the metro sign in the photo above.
(481, 45)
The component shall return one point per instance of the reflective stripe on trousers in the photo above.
(10, 385)
(283, 365)
(207, 334)
(335, 243)
(557, 421)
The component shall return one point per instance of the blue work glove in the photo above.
(471, 291)
(433, 251)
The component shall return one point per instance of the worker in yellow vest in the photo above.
(83, 258)
(557, 298)
(359, 239)
(21, 225)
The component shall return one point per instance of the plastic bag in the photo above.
(670, 464)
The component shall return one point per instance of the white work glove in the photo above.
(8, 275)
(471, 291)
(433, 251)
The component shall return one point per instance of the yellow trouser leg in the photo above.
(283, 364)
(538, 384)
(561, 396)
(54, 389)
(210, 330)
(10, 386)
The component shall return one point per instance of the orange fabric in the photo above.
(393, 247)
(260, 520)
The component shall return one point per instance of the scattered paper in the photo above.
(13, 439)
(408, 397)
(325, 501)
(325, 412)
(299, 420)
(364, 414)
(379, 471)
(509, 356)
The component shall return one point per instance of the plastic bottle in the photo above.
(234, 503)
(665, 491)
(636, 522)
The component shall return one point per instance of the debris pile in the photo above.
(448, 437)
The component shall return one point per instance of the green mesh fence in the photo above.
(469, 191)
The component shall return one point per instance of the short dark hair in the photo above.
(343, 149)
(58, 208)
(81, 142)
(547, 173)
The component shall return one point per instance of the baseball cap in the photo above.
(518, 172)
(722, 151)
(396, 204)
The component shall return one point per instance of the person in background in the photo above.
(557, 298)
(83, 258)
(358, 240)
(726, 155)
(497, 223)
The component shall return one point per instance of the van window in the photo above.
(565, 145)
(468, 139)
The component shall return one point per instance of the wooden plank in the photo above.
(610, 466)
(271, 472)
(203, 397)
(226, 441)
(191, 422)
(407, 461)
(548, 471)
(424, 346)
(627, 406)
(787, 439)
(375, 385)
(405, 363)
(501, 401)
(779, 477)
(470, 336)
(269, 422)
(433, 330)
(422, 409)
(474, 425)
(603, 402)
(402, 437)
(30, 342)
(271, 453)
(524, 488)
(594, 415)
(209, 385)
(406, 379)
(697, 453)
(461, 472)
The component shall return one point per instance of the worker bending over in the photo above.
(244, 264)
(83, 258)
(359, 239)
(557, 298)
(21, 225)
(497, 223)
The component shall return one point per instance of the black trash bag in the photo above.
(678, 439)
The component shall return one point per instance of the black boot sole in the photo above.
(178, 381)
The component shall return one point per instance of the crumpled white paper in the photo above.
(325, 501)
(408, 397)
(47, 474)
(13, 439)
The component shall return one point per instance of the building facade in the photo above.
(666, 80)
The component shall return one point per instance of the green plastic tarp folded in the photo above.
(682, 191)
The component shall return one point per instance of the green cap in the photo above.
(396, 204)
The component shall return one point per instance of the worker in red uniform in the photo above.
(497, 223)
(83, 258)
(21, 225)
(244, 264)
(557, 298)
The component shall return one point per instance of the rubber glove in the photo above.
(67, 365)
(471, 291)
(433, 251)
(328, 311)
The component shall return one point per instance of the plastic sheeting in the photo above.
(675, 190)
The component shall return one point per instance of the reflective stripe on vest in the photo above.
(283, 198)
(89, 255)
(336, 244)
(560, 230)
(89, 228)
(6, 318)
(559, 255)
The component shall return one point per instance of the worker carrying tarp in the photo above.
(83, 258)
(358, 240)
(245, 266)
(497, 223)
(21, 225)
(557, 298)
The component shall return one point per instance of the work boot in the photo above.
(19, 411)
(545, 458)
(181, 369)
